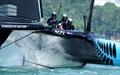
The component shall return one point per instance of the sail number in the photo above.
(59, 32)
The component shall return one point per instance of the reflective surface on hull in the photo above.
(80, 49)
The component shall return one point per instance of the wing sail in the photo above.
(19, 15)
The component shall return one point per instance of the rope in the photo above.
(18, 16)
(16, 40)
(40, 64)
(26, 60)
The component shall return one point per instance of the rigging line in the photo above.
(19, 17)
(16, 40)
(24, 18)
(40, 64)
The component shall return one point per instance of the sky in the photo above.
(102, 2)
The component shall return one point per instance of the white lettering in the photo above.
(14, 26)
(59, 32)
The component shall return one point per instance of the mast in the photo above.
(40, 9)
(88, 29)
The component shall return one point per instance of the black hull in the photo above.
(80, 47)
(4, 35)
(81, 50)
(88, 48)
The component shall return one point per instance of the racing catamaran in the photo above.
(84, 47)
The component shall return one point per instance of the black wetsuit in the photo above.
(52, 22)
(64, 23)
(71, 27)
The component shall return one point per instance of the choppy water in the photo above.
(87, 70)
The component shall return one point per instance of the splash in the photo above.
(43, 49)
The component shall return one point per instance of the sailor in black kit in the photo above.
(52, 21)
(70, 25)
(64, 21)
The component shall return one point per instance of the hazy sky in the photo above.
(102, 2)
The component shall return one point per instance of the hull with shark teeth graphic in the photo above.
(108, 51)
(88, 47)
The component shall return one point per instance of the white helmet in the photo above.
(54, 13)
(64, 15)
(70, 19)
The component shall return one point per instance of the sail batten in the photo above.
(25, 8)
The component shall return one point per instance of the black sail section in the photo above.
(4, 35)
(27, 12)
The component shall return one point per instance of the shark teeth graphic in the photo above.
(106, 51)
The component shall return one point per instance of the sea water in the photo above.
(90, 69)
(9, 56)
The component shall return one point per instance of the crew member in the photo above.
(64, 21)
(70, 24)
(59, 26)
(52, 21)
